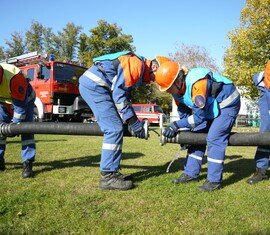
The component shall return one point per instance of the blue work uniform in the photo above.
(106, 87)
(263, 152)
(214, 113)
(17, 99)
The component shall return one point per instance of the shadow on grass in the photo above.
(87, 161)
(238, 166)
(36, 141)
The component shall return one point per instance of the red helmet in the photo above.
(166, 74)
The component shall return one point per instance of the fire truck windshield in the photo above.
(67, 73)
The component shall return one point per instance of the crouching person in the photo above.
(207, 103)
(17, 105)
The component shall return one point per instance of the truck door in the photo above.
(42, 83)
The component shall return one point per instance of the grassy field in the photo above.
(64, 197)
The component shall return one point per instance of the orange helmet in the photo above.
(166, 74)
(161, 59)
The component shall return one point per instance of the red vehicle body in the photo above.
(56, 87)
(150, 112)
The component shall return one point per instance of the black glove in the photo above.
(136, 129)
(171, 131)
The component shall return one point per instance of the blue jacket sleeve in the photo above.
(190, 118)
(122, 97)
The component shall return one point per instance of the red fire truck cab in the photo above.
(56, 87)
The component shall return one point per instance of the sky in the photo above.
(157, 27)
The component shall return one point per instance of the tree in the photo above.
(34, 37)
(83, 47)
(2, 53)
(194, 56)
(68, 41)
(250, 45)
(16, 46)
(104, 39)
(48, 40)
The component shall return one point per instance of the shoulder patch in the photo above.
(199, 101)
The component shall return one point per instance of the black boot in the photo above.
(209, 186)
(184, 178)
(115, 180)
(27, 169)
(258, 176)
(2, 164)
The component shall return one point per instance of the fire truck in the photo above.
(56, 87)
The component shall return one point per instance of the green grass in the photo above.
(64, 197)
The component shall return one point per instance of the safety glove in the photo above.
(171, 131)
(136, 128)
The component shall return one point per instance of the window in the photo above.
(158, 109)
(30, 74)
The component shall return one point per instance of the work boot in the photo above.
(209, 186)
(258, 176)
(27, 169)
(184, 178)
(114, 180)
(2, 164)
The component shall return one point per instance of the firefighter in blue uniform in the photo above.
(17, 105)
(106, 87)
(262, 82)
(207, 103)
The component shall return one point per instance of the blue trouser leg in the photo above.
(28, 151)
(195, 154)
(217, 141)
(263, 152)
(194, 160)
(102, 105)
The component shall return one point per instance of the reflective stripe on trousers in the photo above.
(28, 150)
(217, 140)
(102, 105)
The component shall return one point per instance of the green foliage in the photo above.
(64, 198)
(67, 41)
(104, 39)
(49, 37)
(16, 46)
(150, 94)
(2, 53)
(34, 37)
(250, 45)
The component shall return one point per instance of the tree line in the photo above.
(247, 54)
